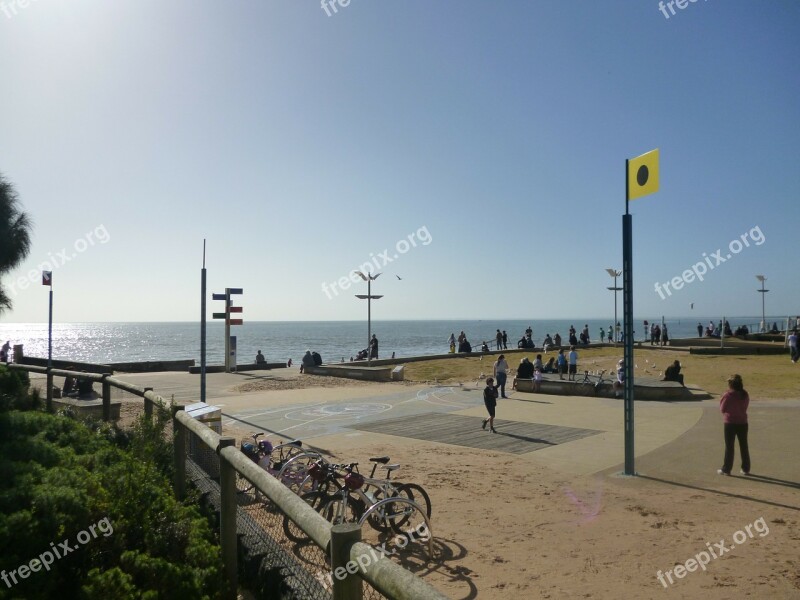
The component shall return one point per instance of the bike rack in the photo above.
(308, 454)
(414, 505)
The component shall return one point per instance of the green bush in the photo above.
(14, 386)
(60, 477)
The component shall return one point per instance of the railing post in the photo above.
(346, 583)
(49, 401)
(148, 406)
(106, 398)
(179, 453)
(228, 506)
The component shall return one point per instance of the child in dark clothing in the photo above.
(490, 400)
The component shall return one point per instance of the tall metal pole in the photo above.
(627, 300)
(203, 327)
(227, 330)
(369, 319)
(50, 332)
(616, 333)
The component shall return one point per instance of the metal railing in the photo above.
(347, 562)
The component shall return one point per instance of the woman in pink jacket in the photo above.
(733, 406)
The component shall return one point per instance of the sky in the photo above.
(473, 152)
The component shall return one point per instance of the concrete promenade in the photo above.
(670, 436)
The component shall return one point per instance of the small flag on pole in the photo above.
(643, 175)
(47, 278)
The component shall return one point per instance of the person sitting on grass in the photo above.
(673, 373)
(550, 367)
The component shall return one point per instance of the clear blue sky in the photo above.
(299, 144)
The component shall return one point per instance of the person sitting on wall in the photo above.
(69, 386)
(260, 360)
(524, 371)
(673, 373)
(557, 340)
(465, 346)
(774, 328)
(307, 361)
(485, 347)
(85, 389)
(316, 358)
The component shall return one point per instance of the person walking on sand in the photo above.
(490, 400)
(501, 374)
(733, 406)
(573, 363)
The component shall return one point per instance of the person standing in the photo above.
(562, 363)
(794, 349)
(619, 384)
(573, 363)
(373, 347)
(5, 352)
(652, 333)
(490, 401)
(699, 330)
(602, 335)
(733, 406)
(646, 330)
(664, 335)
(501, 374)
(452, 343)
(498, 338)
(505, 340)
(610, 333)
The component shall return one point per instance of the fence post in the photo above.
(106, 398)
(346, 583)
(148, 406)
(179, 453)
(49, 401)
(228, 506)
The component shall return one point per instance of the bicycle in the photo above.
(595, 386)
(268, 457)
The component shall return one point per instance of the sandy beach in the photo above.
(559, 521)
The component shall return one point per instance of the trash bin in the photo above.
(206, 458)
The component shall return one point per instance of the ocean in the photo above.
(280, 340)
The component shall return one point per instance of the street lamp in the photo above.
(369, 278)
(615, 289)
(763, 293)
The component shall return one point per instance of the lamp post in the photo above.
(369, 278)
(763, 293)
(615, 289)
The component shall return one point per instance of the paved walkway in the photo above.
(537, 427)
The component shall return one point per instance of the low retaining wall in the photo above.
(66, 365)
(152, 366)
(657, 390)
(353, 372)
(221, 368)
(88, 408)
(752, 350)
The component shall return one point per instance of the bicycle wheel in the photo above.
(332, 511)
(317, 501)
(379, 519)
(403, 511)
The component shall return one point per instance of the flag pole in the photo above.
(627, 299)
(203, 327)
